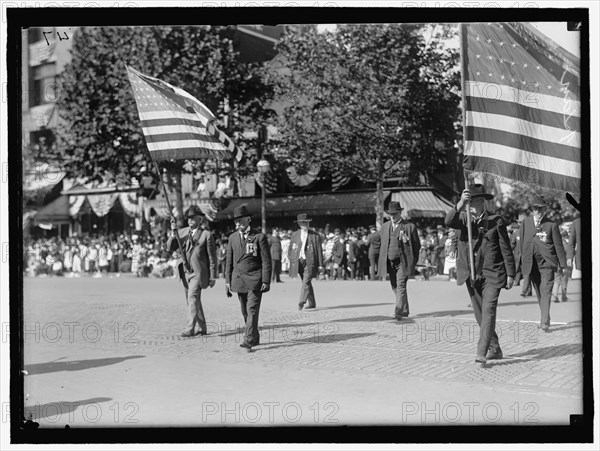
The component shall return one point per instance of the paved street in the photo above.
(107, 352)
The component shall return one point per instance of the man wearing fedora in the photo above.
(305, 254)
(201, 252)
(248, 271)
(542, 254)
(398, 255)
(493, 260)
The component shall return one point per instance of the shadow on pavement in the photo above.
(58, 410)
(373, 319)
(356, 305)
(75, 365)
(443, 313)
(549, 352)
(333, 338)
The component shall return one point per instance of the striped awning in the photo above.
(422, 203)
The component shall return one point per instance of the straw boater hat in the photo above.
(478, 190)
(240, 212)
(303, 217)
(394, 207)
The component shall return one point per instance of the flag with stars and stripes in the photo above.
(521, 106)
(176, 125)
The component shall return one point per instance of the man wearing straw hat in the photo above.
(493, 261)
(542, 254)
(201, 252)
(306, 259)
(399, 252)
(248, 271)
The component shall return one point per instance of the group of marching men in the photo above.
(248, 270)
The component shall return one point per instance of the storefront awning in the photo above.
(56, 212)
(313, 205)
(422, 203)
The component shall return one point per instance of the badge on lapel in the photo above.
(543, 236)
(251, 249)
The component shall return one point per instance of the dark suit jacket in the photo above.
(248, 263)
(494, 258)
(338, 253)
(411, 248)
(275, 246)
(575, 241)
(374, 243)
(313, 253)
(552, 249)
(202, 256)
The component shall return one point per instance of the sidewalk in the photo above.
(108, 352)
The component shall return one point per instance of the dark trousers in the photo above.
(250, 304)
(195, 313)
(276, 271)
(561, 283)
(398, 278)
(526, 285)
(542, 280)
(307, 293)
(485, 301)
(373, 260)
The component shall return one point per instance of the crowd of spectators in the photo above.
(345, 254)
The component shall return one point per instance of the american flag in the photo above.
(176, 125)
(521, 106)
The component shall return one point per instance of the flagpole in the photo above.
(463, 68)
(183, 256)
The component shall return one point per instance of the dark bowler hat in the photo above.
(240, 212)
(538, 201)
(478, 190)
(394, 207)
(303, 217)
(194, 211)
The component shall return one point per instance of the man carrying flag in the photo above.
(492, 258)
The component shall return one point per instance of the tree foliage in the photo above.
(99, 136)
(371, 100)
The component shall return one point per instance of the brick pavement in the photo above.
(122, 315)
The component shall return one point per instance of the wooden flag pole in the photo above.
(463, 68)
(183, 256)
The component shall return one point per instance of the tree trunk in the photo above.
(379, 194)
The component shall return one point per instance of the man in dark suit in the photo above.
(493, 260)
(440, 249)
(201, 252)
(305, 254)
(353, 256)
(275, 247)
(248, 271)
(542, 254)
(400, 245)
(374, 244)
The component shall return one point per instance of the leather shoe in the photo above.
(186, 335)
(480, 359)
(309, 306)
(300, 307)
(491, 355)
(555, 299)
(397, 318)
(545, 328)
(245, 345)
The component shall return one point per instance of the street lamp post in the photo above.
(263, 167)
